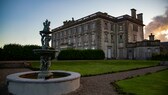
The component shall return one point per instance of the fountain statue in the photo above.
(43, 82)
(45, 52)
(45, 37)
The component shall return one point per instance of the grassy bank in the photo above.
(94, 67)
(153, 84)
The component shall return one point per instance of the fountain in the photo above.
(45, 52)
(43, 82)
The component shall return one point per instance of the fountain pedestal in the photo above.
(45, 75)
(45, 62)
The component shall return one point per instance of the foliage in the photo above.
(53, 54)
(1, 50)
(12, 51)
(153, 84)
(71, 54)
(19, 52)
(162, 56)
(28, 53)
(94, 67)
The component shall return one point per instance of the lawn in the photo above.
(153, 84)
(94, 67)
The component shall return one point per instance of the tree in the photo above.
(19, 52)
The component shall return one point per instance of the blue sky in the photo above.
(21, 20)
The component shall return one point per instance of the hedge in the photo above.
(163, 56)
(19, 52)
(71, 54)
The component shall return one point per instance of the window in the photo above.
(93, 26)
(74, 40)
(130, 51)
(149, 50)
(93, 38)
(61, 41)
(55, 36)
(106, 37)
(112, 27)
(112, 39)
(74, 31)
(86, 27)
(120, 28)
(79, 42)
(69, 41)
(69, 32)
(156, 50)
(86, 47)
(121, 53)
(106, 25)
(134, 37)
(58, 34)
(120, 38)
(93, 47)
(64, 40)
(85, 37)
(79, 29)
(57, 43)
(64, 33)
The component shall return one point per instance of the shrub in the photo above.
(19, 52)
(163, 56)
(12, 52)
(28, 53)
(71, 54)
(1, 56)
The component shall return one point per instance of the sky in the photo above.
(21, 20)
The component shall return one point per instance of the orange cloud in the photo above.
(158, 27)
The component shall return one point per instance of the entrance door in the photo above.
(109, 52)
(130, 54)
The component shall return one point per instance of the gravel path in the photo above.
(94, 85)
(3, 74)
(100, 85)
(9, 67)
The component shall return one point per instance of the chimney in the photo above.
(140, 16)
(151, 37)
(133, 13)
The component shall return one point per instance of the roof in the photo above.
(97, 15)
(164, 43)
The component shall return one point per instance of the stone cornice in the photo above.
(95, 16)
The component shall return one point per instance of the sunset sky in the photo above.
(21, 20)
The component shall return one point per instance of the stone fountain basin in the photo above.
(54, 86)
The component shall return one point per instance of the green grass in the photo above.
(94, 67)
(153, 84)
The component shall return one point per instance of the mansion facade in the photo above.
(119, 37)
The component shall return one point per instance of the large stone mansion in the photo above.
(119, 37)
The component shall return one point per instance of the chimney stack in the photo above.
(140, 16)
(133, 13)
(151, 37)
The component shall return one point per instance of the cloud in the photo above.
(158, 27)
